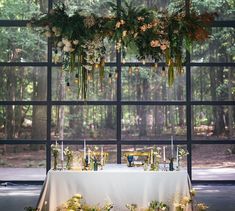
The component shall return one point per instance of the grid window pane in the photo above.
(84, 122)
(153, 122)
(22, 162)
(104, 89)
(219, 48)
(224, 9)
(213, 122)
(21, 9)
(23, 122)
(20, 44)
(213, 83)
(213, 162)
(98, 7)
(146, 84)
(23, 83)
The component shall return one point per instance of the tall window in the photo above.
(132, 109)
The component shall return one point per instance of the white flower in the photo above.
(66, 49)
(68, 44)
(48, 34)
(57, 34)
(60, 44)
(54, 29)
(64, 41)
(75, 42)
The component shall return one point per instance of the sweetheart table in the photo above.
(117, 184)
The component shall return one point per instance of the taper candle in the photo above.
(164, 153)
(62, 151)
(172, 147)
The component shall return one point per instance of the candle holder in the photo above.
(164, 166)
(171, 164)
(86, 165)
(62, 165)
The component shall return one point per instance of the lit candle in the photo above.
(172, 147)
(84, 150)
(164, 153)
(89, 156)
(62, 151)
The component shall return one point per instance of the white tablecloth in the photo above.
(120, 186)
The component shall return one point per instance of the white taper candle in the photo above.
(62, 151)
(164, 153)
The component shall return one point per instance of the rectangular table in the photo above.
(118, 185)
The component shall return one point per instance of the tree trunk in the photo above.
(230, 98)
(219, 118)
(39, 118)
(143, 109)
(10, 111)
(180, 97)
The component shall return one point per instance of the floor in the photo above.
(17, 197)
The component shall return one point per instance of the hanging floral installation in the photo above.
(155, 35)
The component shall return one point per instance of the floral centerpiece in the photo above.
(153, 33)
(55, 152)
(69, 157)
(182, 152)
(77, 203)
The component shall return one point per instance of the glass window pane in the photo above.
(98, 89)
(224, 9)
(213, 122)
(153, 122)
(23, 83)
(23, 122)
(84, 122)
(98, 7)
(22, 9)
(145, 84)
(213, 83)
(219, 48)
(213, 162)
(22, 162)
(22, 45)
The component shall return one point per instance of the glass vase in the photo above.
(55, 163)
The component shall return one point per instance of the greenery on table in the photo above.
(69, 157)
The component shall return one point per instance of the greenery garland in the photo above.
(155, 35)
